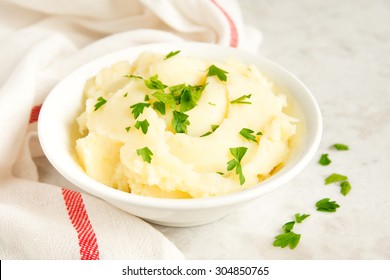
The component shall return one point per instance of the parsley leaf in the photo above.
(345, 187)
(290, 239)
(145, 153)
(242, 100)
(325, 205)
(215, 71)
(341, 147)
(138, 109)
(125, 95)
(159, 106)
(165, 98)
(133, 76)
(180, 122)
(144, 125)
(100, 102)
(190, 96)
(299, 218)
(248, 134)
(173, 53)
(238, 153)
(213, 128)
(287, 227)
(324, 160)
(128, 128)
(154, 83)
(335, 178)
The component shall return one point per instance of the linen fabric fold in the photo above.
(42, 216)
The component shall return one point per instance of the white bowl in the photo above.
(58, 130)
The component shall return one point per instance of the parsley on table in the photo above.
(248, 134)
(138, 109)
(288, 237)
(324, 160)
(100, 102)
(144, 125)
(341, 147)
(238, 153)
(242, 100)
(325, 205)
(213, 128)
(172, 53)
(345, 187)
(145, 153)
(334, 178)
(180, 122)
(215, 71)
(299, 218)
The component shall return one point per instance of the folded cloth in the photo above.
(41, 41)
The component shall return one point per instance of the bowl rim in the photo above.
(109, 194)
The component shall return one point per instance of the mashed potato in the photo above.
(181, 127)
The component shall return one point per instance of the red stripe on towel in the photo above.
(232, 25)
(78, 216)
(34, 114)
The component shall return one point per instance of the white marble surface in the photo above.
(341, 50)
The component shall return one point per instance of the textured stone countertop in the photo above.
(341, 51)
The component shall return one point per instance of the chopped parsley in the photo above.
(248, 134)
(125, 95)
(144, 125)
(334, 178)
(159, 106)
(238, 153)
(341, 147)
(173, 53)
(324, 160)
(242, 100)
(180, 122)
(325, 205)
(165, 98)
(100, 102)
(213, 128)
(133, 76)
(288, 237)
(155, 83)
(146, 154)
(190, 96)
(215, 71)
(138, 109)
(345, 187)
(128, 128)
(299, 218)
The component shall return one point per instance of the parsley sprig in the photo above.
(325, 205)
(138, 109)
(242, 100)
(215, 71)
(143, 125)
(146, 154)
(180, 122)
(100, 102)
(172, 53)
(249, 134)
(238, 153)
(288, 237)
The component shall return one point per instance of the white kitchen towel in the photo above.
(41, 41)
